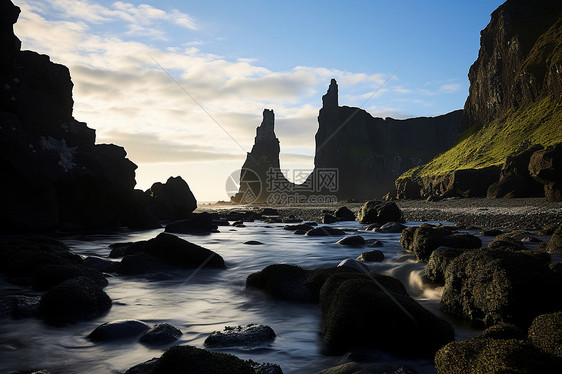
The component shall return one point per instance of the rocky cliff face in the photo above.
(52, 173)
(519, 62)
(370, 153)
(261, 175)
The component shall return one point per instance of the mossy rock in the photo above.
(546, 333)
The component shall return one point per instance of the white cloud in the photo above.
(450, 87)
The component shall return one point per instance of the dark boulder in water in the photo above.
(282, 281)
(129, 248)
(352, 303)
(325, 231)
(390, 228)
(100, 264)
(253, 242)
(251, 335)
(328, 219)
(160, 334)
(73, 300)
(344, 214)
(487, 286)
(371, 256)
(118, 330)
(352, 241)
(48, 276)
(438, 262)
(19, 306)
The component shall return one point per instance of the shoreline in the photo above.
(507, 214)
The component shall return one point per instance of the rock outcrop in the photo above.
(261, 174)
(53, 174)
(545, 166)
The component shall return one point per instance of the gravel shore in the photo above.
(528, 214)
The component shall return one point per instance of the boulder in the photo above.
(196, 223)
(503, 330)
(488, 286)
(515, 180)
(390, 228)
(473, 182)
(160, 334)
(371, 256)
(187, 359)
(19, 306)
(353, 303)
(100, 264)
(141, 213)
(438, 262)
(352, 241)
(546, 333)
(140, 263)
(486, 355)
(328, 219)
(118, 330)
(545, 166)
(269, 212)
(146, 367)
(253, 242)
(251, 335)
(301, 226)
(379, 212)
(47, 276)
(491, 232)
(181, 253)
(74, 299)
(129, 248)
(354, 265)
(407, 188)
(373, 243)
(344, 214)
(424, 239)
(325, 231)
(172, 200)
(282, 281)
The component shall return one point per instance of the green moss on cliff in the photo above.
(539, 123)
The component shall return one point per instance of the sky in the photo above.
(182, 84)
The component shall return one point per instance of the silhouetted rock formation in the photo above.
(517, 63)
(370, 153)
(261, 174)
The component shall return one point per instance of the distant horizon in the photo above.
(182, 86)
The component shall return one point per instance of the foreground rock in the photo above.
(488, 286)
(118, 330)
(172, 200)
(494, 354)
(546, 167)
(352, 241)
(353, 303)
(188, 359)
(371, 256)
(379, 212)
(160, 334)
(169, 251)
(546, 333)
(439, 261)
(424, 239)
(251, 335)
(554, 245)
(73, 300)
(325, 231)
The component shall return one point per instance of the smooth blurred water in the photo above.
(200, 302)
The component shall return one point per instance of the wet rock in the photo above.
(352, 241)
(350, 302)
(545, 166)
(344, 214)
(196, 223)
(172, 200)
(253, 242)
(505, 241)
(300, 232)
(379, 212)
(238, 224)
(124, 249)
(424, 239)
(100, 264)
(371, 256)
(48, 276)
(488, 286)
(162, 333)
(373, 243)
(144, 368)
(74, 299)
(220, 222)
(554, 245)
(266, 368)
(241, 336)
(19, 306)
(546, 333)
(140, 263)
(438, 262)
(118, 330)
(302, 226)
(282, 281)
(184, 358)
(503, 330)
(390, 227)
(354, 264)
(325, 231)
(328, 219)
(372, 227)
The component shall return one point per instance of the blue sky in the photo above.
(237, 58)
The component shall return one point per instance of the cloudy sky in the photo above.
(182, 84)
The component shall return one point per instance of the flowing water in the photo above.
(200, 302)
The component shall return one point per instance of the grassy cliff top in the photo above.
(539, 123)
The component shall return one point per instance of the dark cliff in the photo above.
(52, 172)
(370, 153)
(515, 100)
(519, 62)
